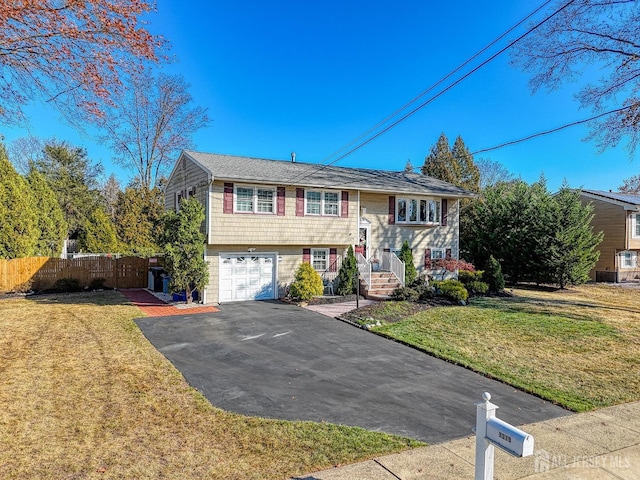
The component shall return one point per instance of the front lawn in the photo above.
(579, 348)
(83, 394)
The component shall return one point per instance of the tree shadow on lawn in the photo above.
(557, 306)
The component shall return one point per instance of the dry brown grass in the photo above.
(84, 395)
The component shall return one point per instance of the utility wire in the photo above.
(553, 130)
(448, 75)
(441, 92)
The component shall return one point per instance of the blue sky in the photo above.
(310, 77)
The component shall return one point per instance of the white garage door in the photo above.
(247, 277)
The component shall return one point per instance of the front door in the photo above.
(364, 240)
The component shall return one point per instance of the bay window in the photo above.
(418, 211)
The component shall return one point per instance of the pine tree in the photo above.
(74, 180)
(468, 172)
(50, 220)
(18, 217)
(348, 274)
(572, 252)
(440, 163)
(98, 234)
(406, 255)
(184, 248)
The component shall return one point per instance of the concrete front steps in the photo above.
(382, 285)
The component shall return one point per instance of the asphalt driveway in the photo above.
(276, 360)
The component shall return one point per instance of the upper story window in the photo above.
(322, 203)
(635, 225)
(250, 199)
(418, 211)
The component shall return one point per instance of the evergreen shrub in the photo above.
(307, 283)
(493, 275)
(451, 289)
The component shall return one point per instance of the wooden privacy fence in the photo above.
(41, 273)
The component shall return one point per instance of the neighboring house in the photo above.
(265, 217)
(618, 216)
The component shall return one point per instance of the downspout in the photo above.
(208, 227)
(356, 238)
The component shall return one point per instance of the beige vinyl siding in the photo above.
(634, 243)
(186, 175)
(288, 258)
(270, 229)
(419, 237)
(610, 219)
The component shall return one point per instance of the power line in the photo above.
(553, 130)
(448, 75)
(441, 92)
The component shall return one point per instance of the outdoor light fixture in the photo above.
(251, 249)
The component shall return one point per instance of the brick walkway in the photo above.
(154, 307)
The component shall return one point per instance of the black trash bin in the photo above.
(155, 279)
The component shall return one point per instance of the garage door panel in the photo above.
(247, 278)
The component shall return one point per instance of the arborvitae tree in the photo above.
(139, 219)
(184, 248)
(511, 222)
(18, 217)
(50, 220)
(492, 275)
(348, 274)
(98, 235)
(440, 163)
(406, 255)
(572, 251)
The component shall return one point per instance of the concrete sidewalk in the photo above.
(338, 308)
(602, 445)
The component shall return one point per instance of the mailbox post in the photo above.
(490, 432)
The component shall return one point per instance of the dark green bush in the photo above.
(407, 294)
(307, 283)
(98, 283)
(67, 285)
(348, 274)
(406, 255)
(493, 275)
(477, 288)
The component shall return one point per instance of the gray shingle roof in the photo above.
(620, 197)
(246, 169)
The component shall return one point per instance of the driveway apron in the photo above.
(275, 360)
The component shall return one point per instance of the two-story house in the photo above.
(265, 217)
(617, 215)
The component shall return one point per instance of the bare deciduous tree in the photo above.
(585, 37)
(151, 122)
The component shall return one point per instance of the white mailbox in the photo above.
(490, 432)
(509, 438)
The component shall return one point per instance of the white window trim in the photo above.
(326, 253)
(322, 203)
(633, 256)
(442, 251)
(408, 199)
(634, 225)
(255, 188)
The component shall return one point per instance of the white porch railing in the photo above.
(364, 268)
(391, 263)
